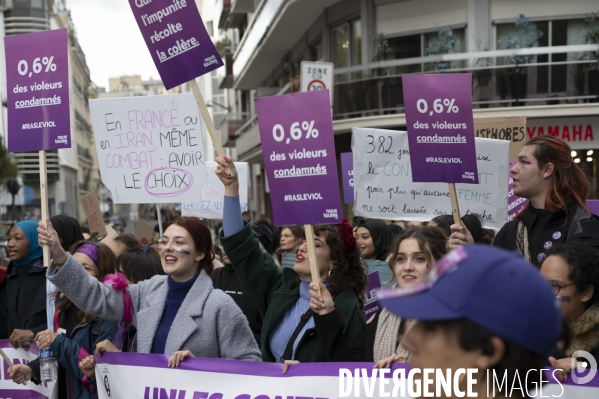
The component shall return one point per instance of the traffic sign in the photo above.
(316, 76)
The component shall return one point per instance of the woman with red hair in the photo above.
(556, 213)
(179, 314)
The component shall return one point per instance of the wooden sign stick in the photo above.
(312, 256)
(455, 207)
(44, 200)
(207, 120)
(7, 360)
(159, 220)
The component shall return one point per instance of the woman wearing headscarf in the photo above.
(23, 291)
(374, 239)
(69, 232)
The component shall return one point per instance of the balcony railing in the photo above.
(376, 88)
(230, 125)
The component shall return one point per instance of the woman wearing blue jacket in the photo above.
(77, 332)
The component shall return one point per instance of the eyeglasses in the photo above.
(557, 286)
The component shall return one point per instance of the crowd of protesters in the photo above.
(240, 298)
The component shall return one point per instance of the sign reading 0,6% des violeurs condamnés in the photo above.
(440, 127)
(299, 155)
(37, 74)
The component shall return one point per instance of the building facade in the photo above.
(72, 172)
(373, 43)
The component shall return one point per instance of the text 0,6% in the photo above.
(278, 132)
(438, 105)
(38, 66)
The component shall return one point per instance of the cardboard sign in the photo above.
(111, 234)
(347, 176)
(177, 39)
(296, 132)
(384, 188)
(211, 202)
(37, 75)
(143, 231)
(150, 149)
(93, 214)
(510, 128)
(440, 128)
(316, 76)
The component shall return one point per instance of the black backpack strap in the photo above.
(288, 354)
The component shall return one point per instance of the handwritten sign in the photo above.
(296, 131)
(177, 39)
(93, 214)
(150, 149)
(384, 188)
(37, 74)
(210, 203)
(510, 128)
(347, 176)
(440, 127)
(143, 231)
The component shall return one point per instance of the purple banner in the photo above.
(371, 304)
(440, 128)
(514, 203)
(296, 132)
(37, 79)
(177, 39)
(347, 176)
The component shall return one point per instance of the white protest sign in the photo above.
(384, 188)
(150, 149)
(210, 203)
(317, 76)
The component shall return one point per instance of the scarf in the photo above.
(382, 236)
(387, 340)
(29, 228)
(585, 332)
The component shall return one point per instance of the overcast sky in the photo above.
(110, 39)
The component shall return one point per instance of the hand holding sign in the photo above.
(227, 174)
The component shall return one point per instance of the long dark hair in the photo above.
(347, 273)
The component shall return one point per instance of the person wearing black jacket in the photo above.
(557, 189)
(224, 278)
(23, 292)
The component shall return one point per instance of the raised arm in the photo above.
(85, 291)
(257, 271)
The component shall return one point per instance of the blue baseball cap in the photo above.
(496, 289)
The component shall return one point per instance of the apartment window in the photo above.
(316, 52)
(413, 46)
(552, 78)
(210, 28)
(347, 47)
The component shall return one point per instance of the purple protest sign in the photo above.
(296, 131)
(347, 176)
(371, 303)
(514, 203)
(177, 39)
(37, 79)
(440, 128)
(593, 206)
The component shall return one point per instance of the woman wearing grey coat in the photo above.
(180, 314)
